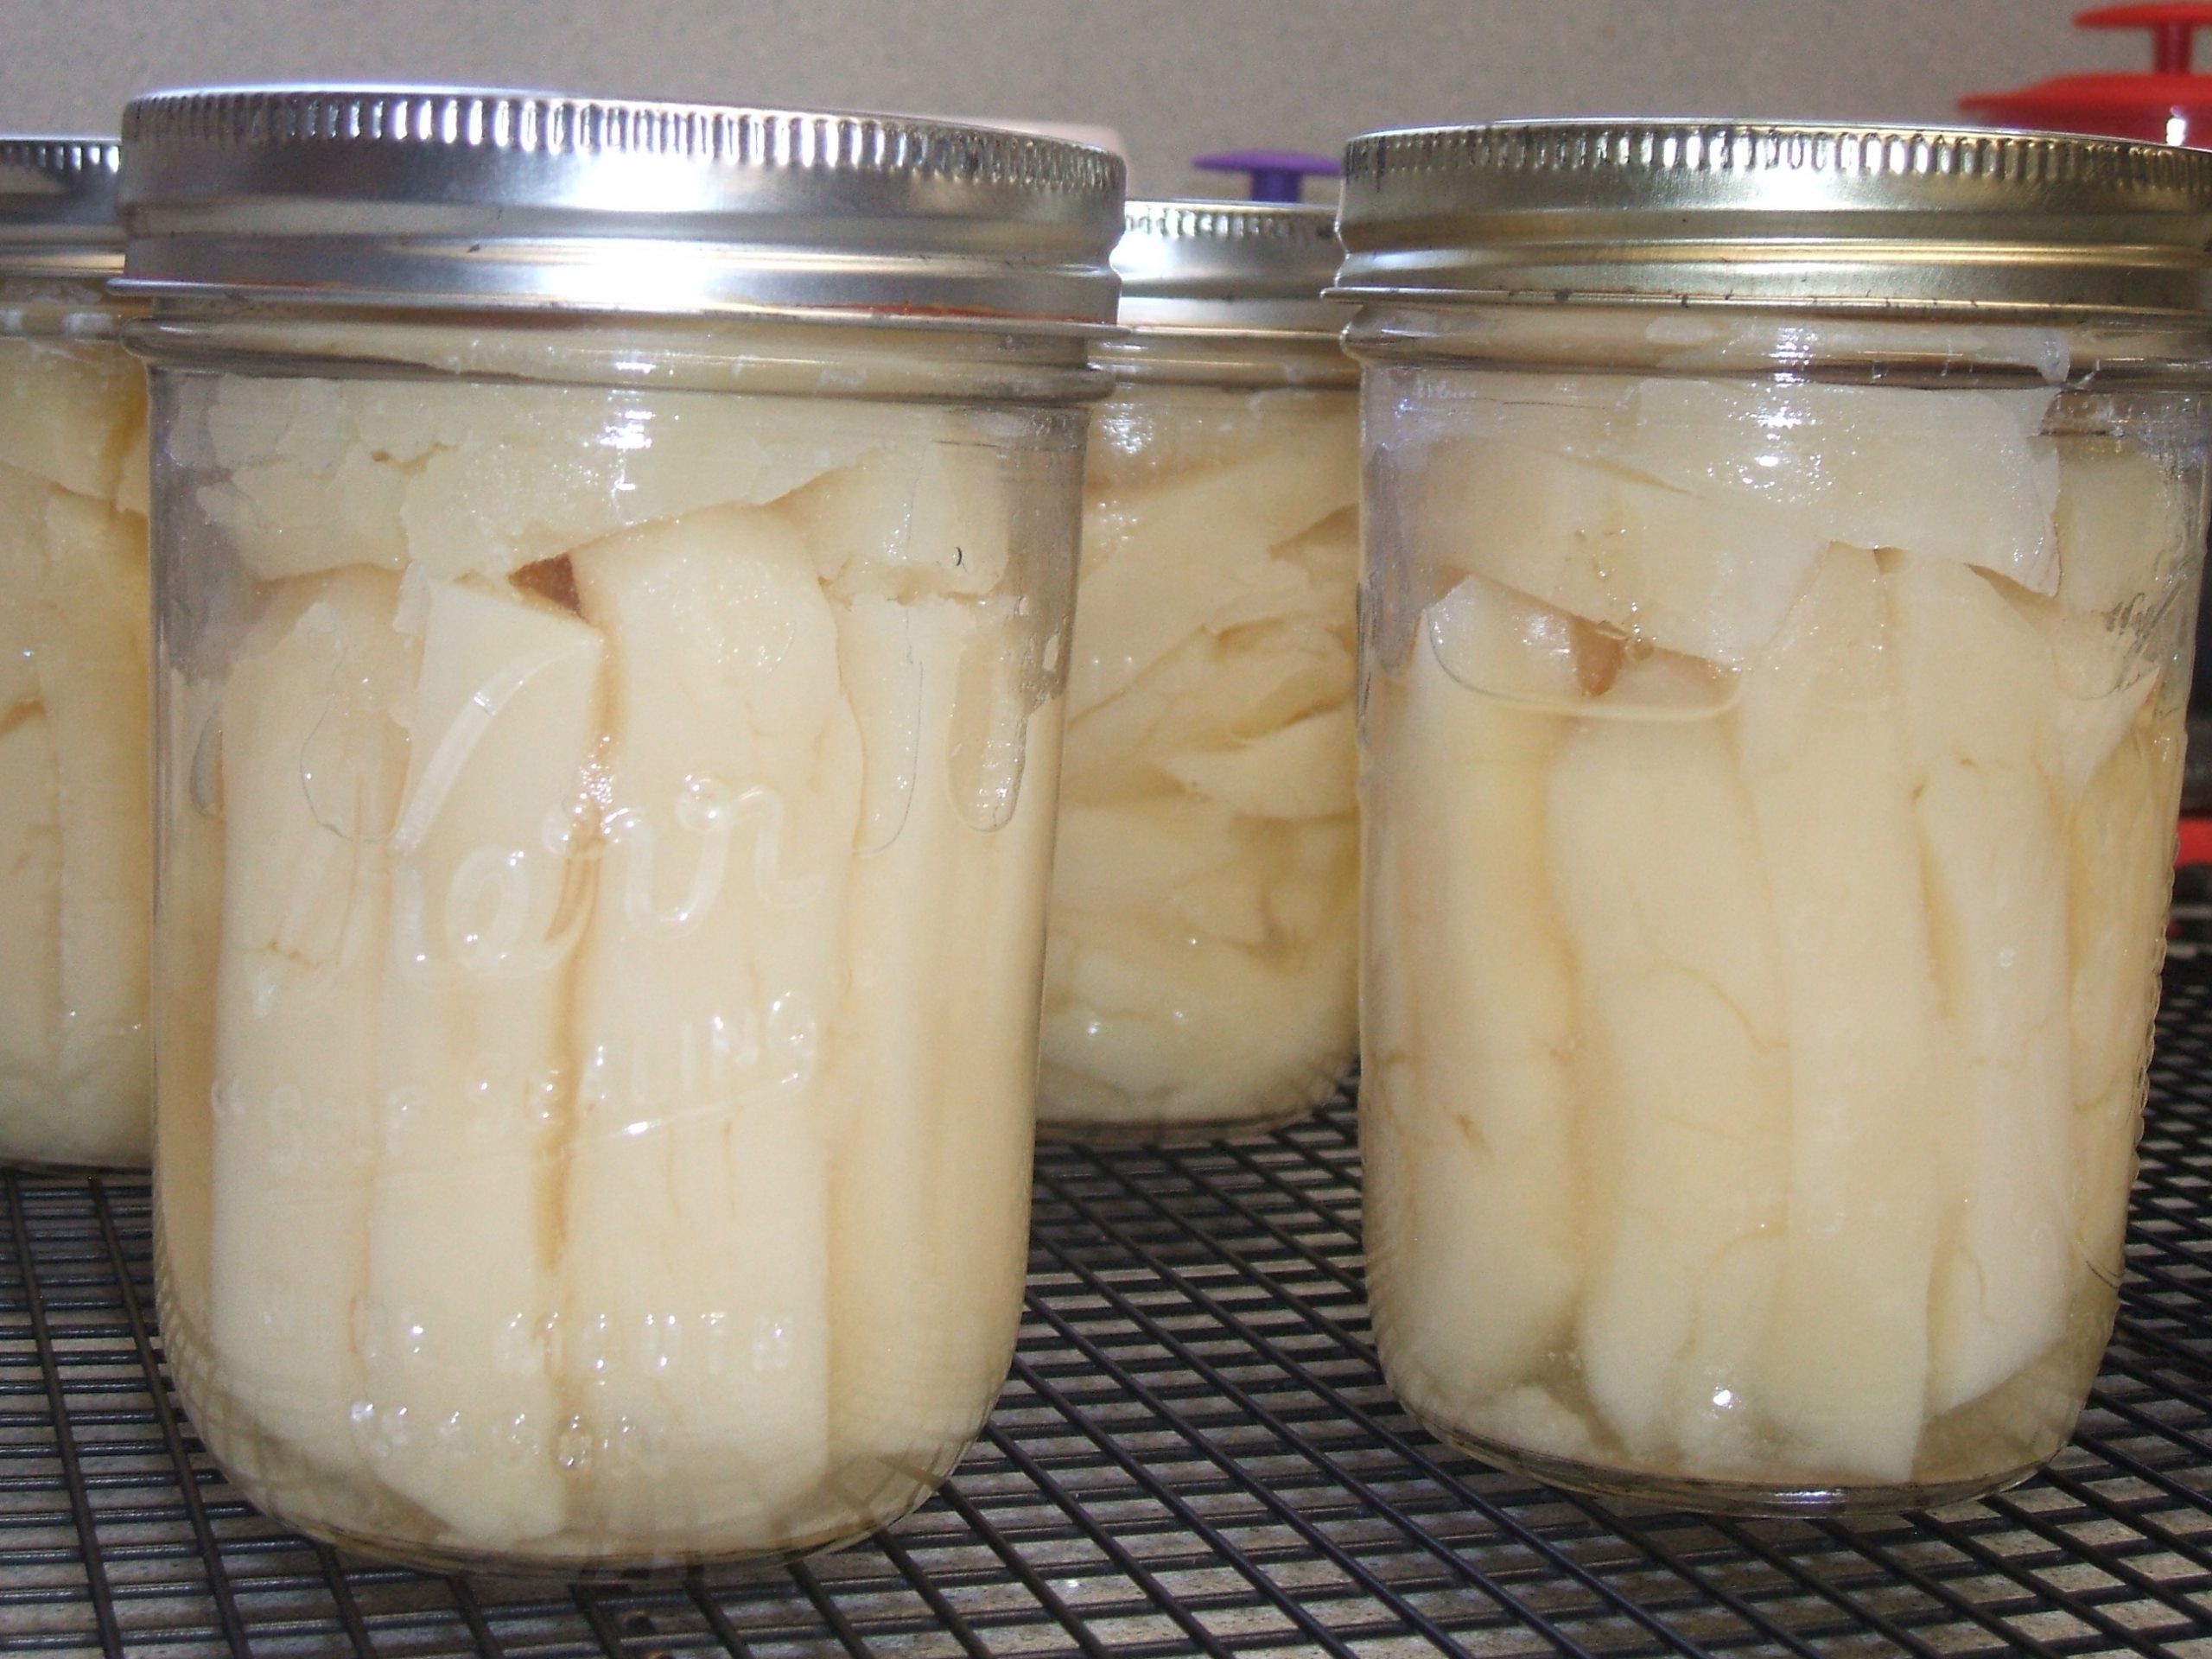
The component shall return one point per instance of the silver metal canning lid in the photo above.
(1227, 266)
(57, 207)
(1891, 219)
(420, 197)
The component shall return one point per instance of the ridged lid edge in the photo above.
(1720, 148)
(1938, 219)
(558, 124)
(58, 205)
(472, 199)
(1236, 267)
(1289, 225)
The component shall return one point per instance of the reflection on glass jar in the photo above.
(1773, 734)
(604, 841)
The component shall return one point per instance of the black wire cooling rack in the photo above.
(1195, 1455)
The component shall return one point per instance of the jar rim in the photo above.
(466, 199)
(1228, 269)
(1888, 219)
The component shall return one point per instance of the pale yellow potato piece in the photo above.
(912, 518)
(1976, 688)
(1145, 433)
(2121, 860)
(1683, 1071)
(695, 1339)
(73, 622)
(1241, 903)
(1952, 474)
(1137, 855)
(2123, 524)
(23, 564)
(134, 482)
(460, 476)
(314, 754)
(1842, 1372)
(1579, 414)
(1187, 553)
(1271, 887)
(932, 1068)
(188, 898)
(1475, 1214)
(1304, 770)
(1535, 1419)
(1142, 1025)
(2100, 678)
(1310, 589)
(30, 912)
(91, 625)
(1207, 693)
(30, 828)
(1720, 1432)
(1708, 578)
(70, 411)
(464, 1416)
(1209, 705)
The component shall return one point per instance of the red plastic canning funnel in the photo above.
(2170, 104)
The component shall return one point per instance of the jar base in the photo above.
(429, 1558)
(1744, 1498)
(1165, 1133)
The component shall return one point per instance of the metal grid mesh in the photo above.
(1195, 1455)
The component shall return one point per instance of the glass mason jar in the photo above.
(1201, 968)
(1773, 722)
(76, 818)
(608, 771)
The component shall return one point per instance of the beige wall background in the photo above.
(1176, 77)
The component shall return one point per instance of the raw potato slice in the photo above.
(474, 1071)
(1476, 1234)
(1160, 564)
(463, 477)
(1842, 1371)
(314, 751)
(30, 912)
(69, 412)
(189, 897)
(92, 626)
(935, 1089)
(695, 1341)
(1961, 475)
(2120, 851)
(1976, 689)
(1706, 578)
(1664, 898)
